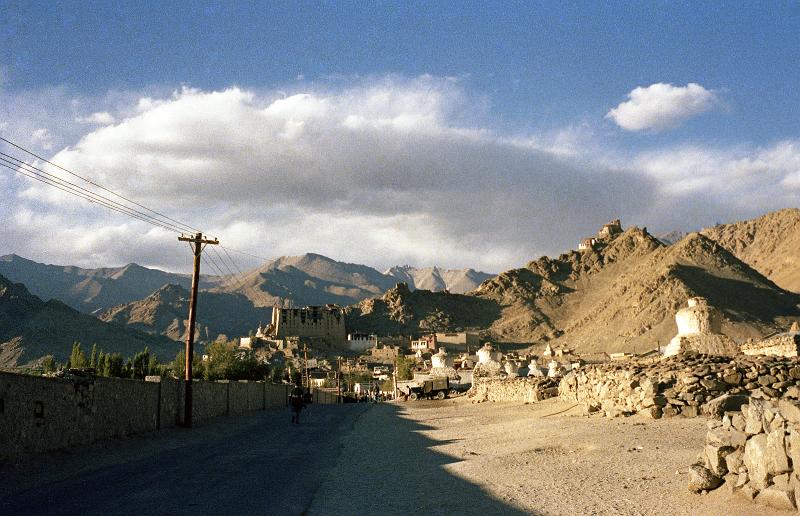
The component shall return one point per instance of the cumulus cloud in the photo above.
(99, 118)
(662, 106)
(379, 172)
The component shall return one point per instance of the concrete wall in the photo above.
(38, 414)
(325, 397)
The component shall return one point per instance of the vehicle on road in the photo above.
(437, 388)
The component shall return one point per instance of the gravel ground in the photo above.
(453, 456)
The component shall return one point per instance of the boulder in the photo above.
(776, 498)
(755, 459)
(701, 479)
(717, 407)
(790, 410)
(777, 462)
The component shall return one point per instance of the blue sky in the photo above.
(547, 72)
(541, 64)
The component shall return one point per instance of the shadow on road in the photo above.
(389, 466)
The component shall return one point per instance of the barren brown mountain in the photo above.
(164, 312)
(770, 244)
(621, 295)
(31, 328)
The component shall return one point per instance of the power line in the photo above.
(245, 253)
(70, 190)
(95, 184)
(236, 277)
(77, 189)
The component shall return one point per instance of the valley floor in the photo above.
(427, 457)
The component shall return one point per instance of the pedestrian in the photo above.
(296, 402)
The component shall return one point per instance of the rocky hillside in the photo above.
(165, 312)
(87, 290)
(31, 328)
(407, 312)
(457, 281)
(620, 296)
(623, 297)
(310, 279)
(769, 244)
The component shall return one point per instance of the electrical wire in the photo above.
(54, 184)
(95, 184)
(75, 189)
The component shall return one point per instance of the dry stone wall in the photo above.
(39, 414)
(754, 452)
(524, 389)
(685, 384)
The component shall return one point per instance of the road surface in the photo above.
(253, 464)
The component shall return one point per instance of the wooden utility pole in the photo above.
(197, 243)
(339, 380)
(305, 363)
(394, 375)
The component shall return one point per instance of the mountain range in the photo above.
(620, 296)
(31, 328)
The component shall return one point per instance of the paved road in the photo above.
(254, 464)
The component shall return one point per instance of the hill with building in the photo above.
(31, 328)
(457, 281)
(618, 292)
(770, 244)
(622, 296)
(165, 312)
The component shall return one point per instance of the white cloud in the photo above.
(99, 118)
(42, 138)
(378, 172)
(662, 106)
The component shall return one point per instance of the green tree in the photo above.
(220, 361)
(102, 364)
(179, 364)
(140, 365)
(76, 358)
(49, 364)
(93, 357)
(405, 367)
(276, 374)
(115, 365)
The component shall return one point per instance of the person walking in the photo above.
(296, 402)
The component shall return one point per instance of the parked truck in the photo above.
(437, 388)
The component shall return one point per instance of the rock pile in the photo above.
(756, 451)
(527, 389)
(684, 384)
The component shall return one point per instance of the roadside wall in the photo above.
(684, 384)
(39, 414)
(527, 389)
(325, 397)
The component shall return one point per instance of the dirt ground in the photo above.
(454, 456)
(426, 457)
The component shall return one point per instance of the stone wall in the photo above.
(38, 414)
(754, 452)
(525, 389)
(684, 384)
(325, 397)
(783, 345)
